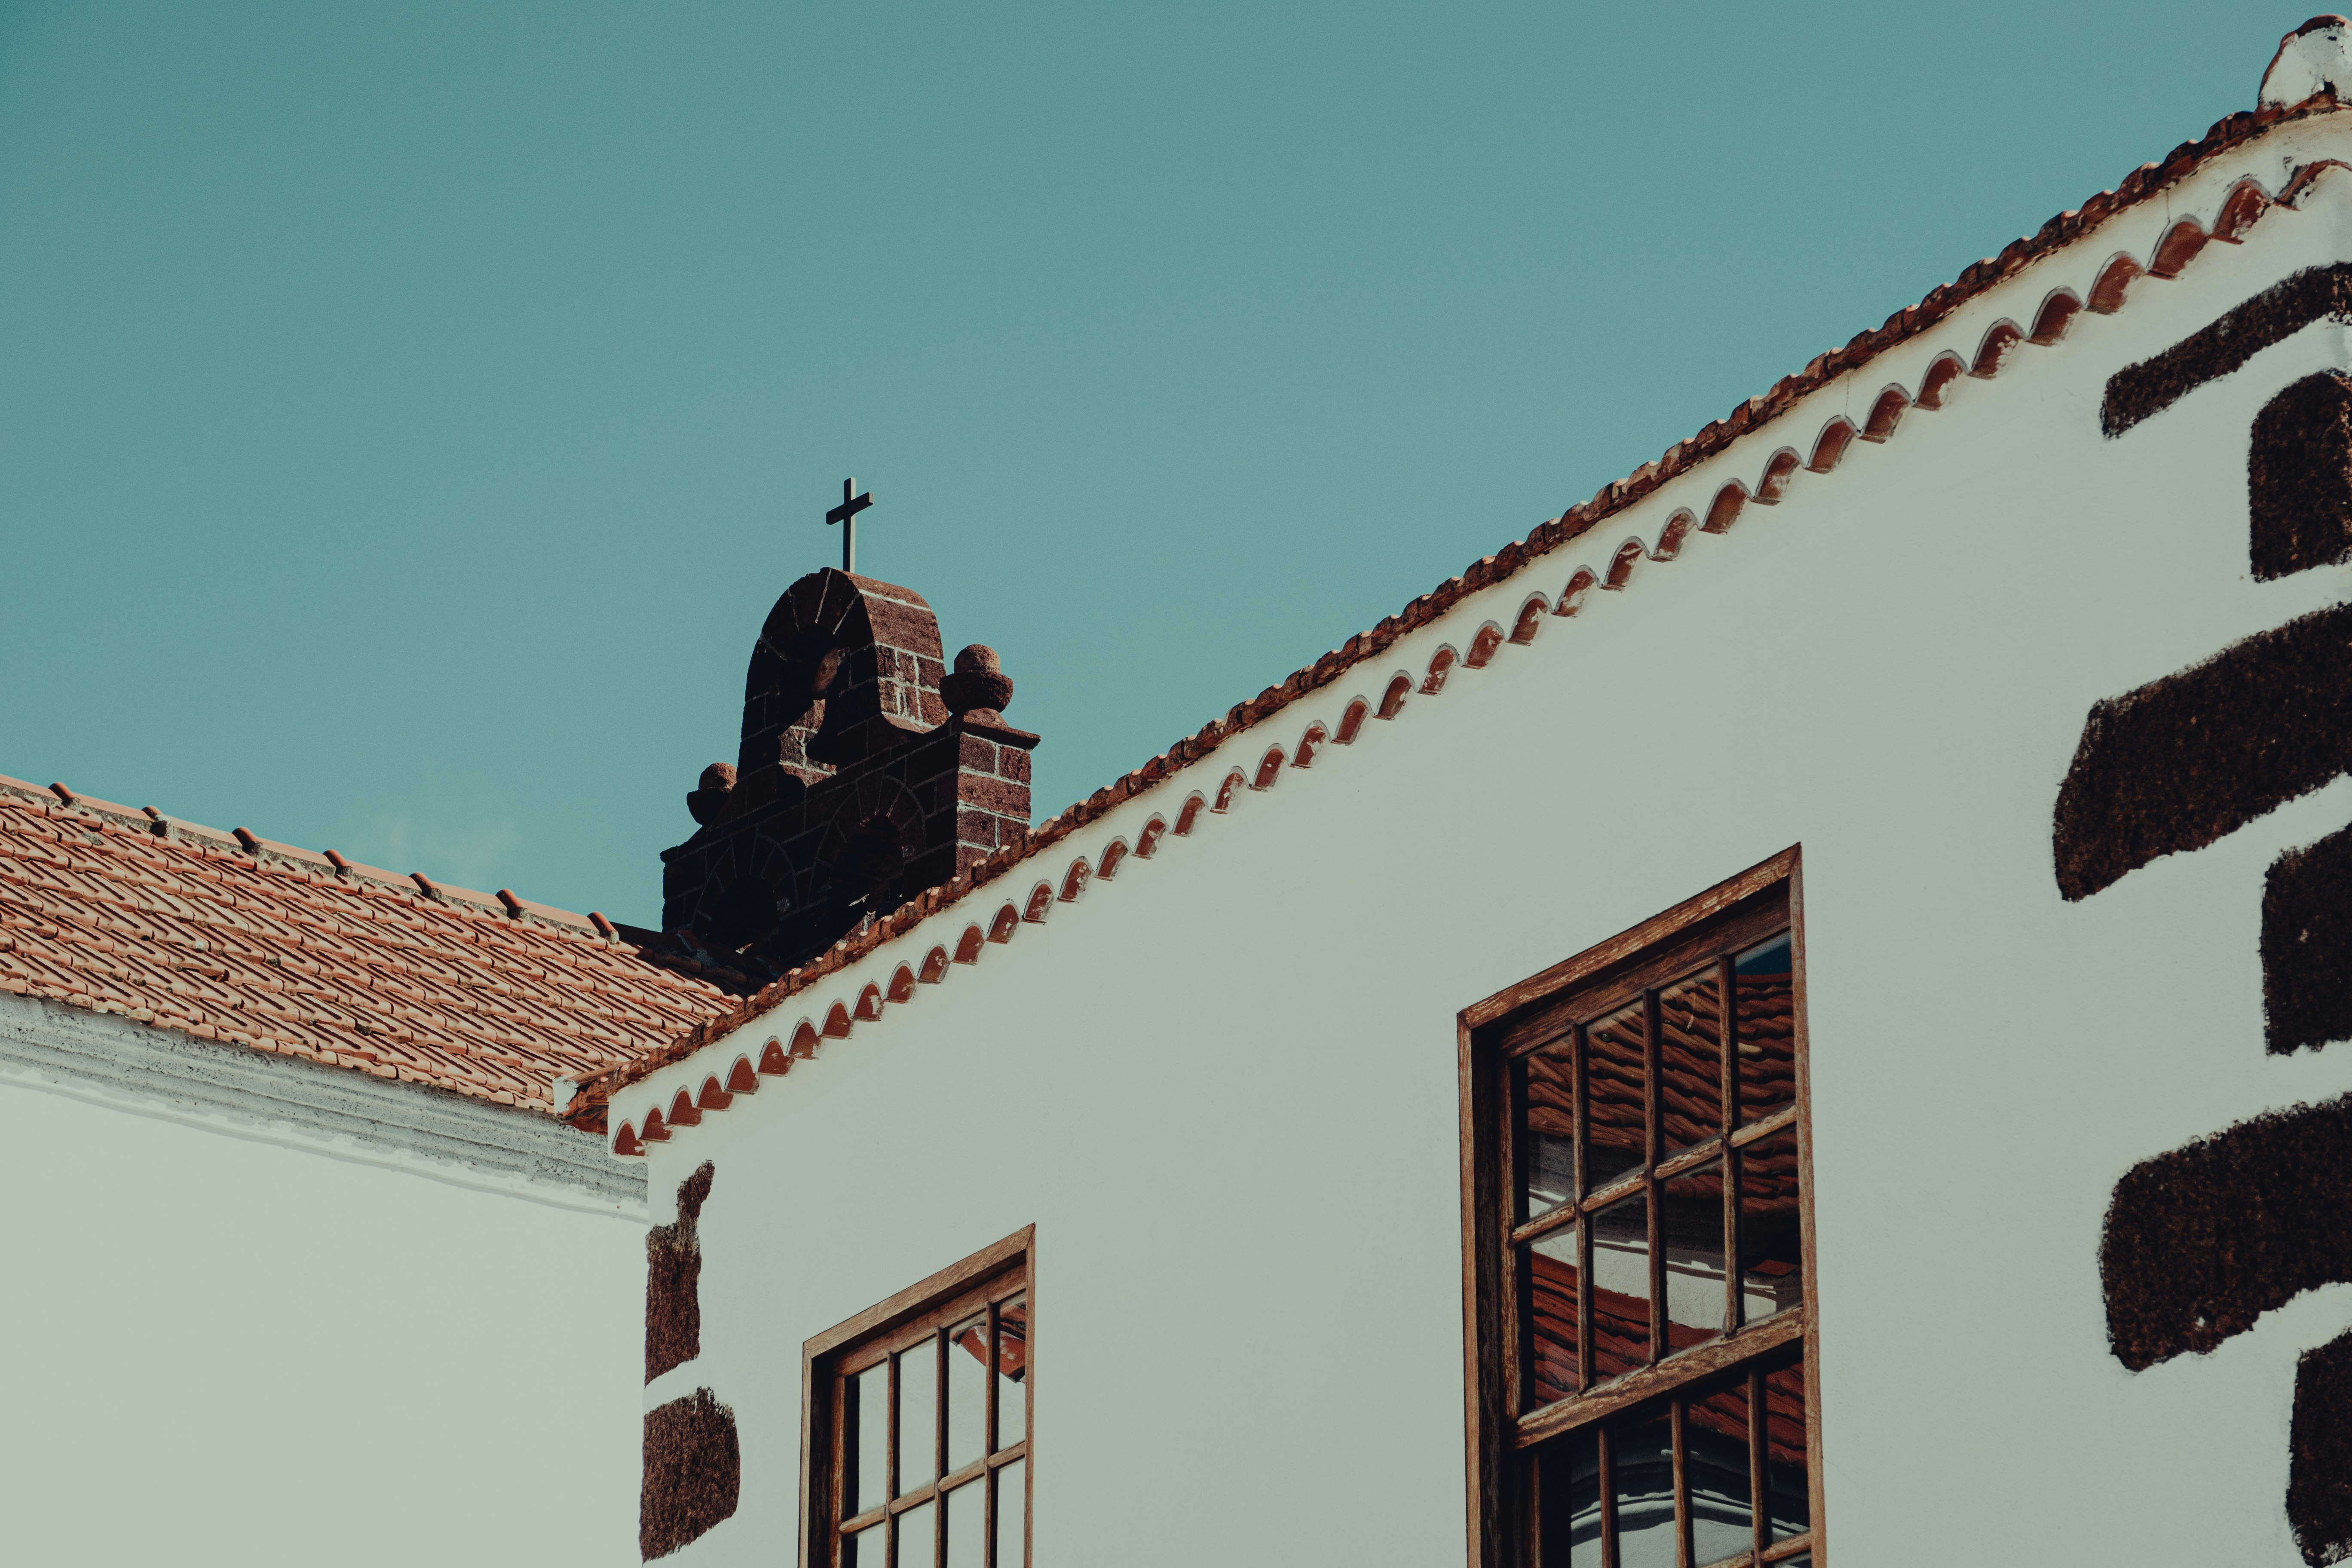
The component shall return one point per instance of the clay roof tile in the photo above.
(281, 949)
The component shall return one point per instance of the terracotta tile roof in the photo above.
(233, 938)
(2179, 244)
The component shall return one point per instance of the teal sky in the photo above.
(411, 410)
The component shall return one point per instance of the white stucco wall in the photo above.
(225, 1344)
(1222, 1085)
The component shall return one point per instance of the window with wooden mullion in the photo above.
(1624, 1131)
(1713, 1475)
(942, 1515)
(922, 1406)
(1630, 1123)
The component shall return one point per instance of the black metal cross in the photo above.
(852, 502)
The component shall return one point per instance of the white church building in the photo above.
(1799, 1002)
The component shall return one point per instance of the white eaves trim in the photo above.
(144, 1070)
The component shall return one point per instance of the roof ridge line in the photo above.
(586, 1098)
(241, 843)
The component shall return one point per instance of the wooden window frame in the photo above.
(952, 1294)
(1488, 1034)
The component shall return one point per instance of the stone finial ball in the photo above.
(704, 802)
(979, 682)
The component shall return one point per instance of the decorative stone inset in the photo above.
(2299, 477)
(694, 1473)
(673, 1280)
(2200, 1242)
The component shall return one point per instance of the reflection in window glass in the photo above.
(868, 1445)
(916, 1544)
(1642, 1469)
(1766, 1024)
(1714, 1481)
(1569, 1474)
(967, 1522)
(1715, 1466)
(1621, 1288)
(1012, 1373)
(967, 1393)
(1550, 1288)
(1791, 1504)
(1770, 1277)
(1011, 1515)
(1615, 1268)
(1690, 1060)
(1616, 1097)
(1547, 1134)
(1690, 1229)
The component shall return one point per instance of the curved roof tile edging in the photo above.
(2180, 241)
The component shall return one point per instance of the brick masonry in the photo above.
(867, 772)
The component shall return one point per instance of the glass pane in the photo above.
(1549, 1288)
(918, 1383)
(967, 1393)
(1642, 1469)
(1789, 1503)
(1547, 1138)
(1012, 1372)
(917, 1527)
(1621, 1288)
(1615, 1077)
(863, 1550)
(1568, 1481)
(1011, 1513)
(1690, 1060)
(866, 1440)
(1715, 1466)
(1690, 1229)
(967, 1525)
(1769, 1277)
(1766, 990)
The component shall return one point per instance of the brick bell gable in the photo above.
(867, 772)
